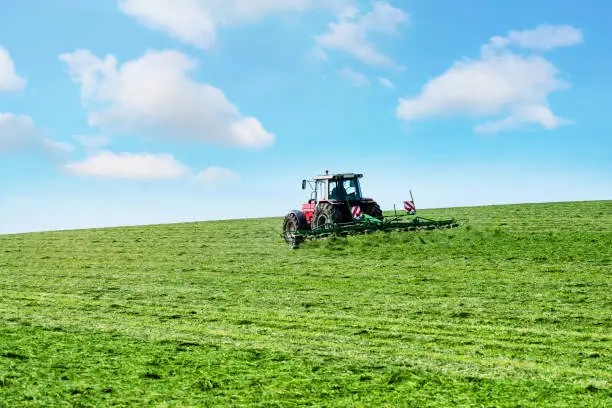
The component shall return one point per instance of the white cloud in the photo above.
(9, 80)
(502, 82)
(545, 37)
(196, 22)
(213, 176)
(523, 115)
(352, 32)
(143, 166)
(18, 134)
(185, 20)
(136, 166)
(484, 86)
(155, 95)
(354, 77)
(386, 83)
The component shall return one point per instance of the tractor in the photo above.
(337, 208)
(334, 199)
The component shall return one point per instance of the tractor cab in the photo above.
(335, 187)
(334, 196)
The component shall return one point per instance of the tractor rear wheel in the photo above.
(295, 220)
(372, 209)
(326, 215)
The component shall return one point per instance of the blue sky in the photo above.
(125, 112)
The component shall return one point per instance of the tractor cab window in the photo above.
(320, 190)
(344, 190)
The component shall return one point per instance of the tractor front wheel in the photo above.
(295, 220)
(325, 216)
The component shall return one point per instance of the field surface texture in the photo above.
(514, 309)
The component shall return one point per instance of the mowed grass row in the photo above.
(512, 309)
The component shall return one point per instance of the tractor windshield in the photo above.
(347, 189)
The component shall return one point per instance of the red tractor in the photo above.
(335, 199)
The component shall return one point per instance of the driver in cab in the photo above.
(339, 192)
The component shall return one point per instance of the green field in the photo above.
(513, 309)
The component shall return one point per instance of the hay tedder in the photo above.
(337, 207)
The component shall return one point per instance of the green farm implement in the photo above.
(337, 208)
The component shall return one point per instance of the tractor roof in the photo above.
(339, 176)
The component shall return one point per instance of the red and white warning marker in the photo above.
(356, 212)
(409, 206)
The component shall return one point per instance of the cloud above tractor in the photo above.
(154, 95)
(138, 166)
(507, 82)
(147, 167)
(9, 80)
(353, 32)
(196, 22)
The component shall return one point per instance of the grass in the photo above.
(514, 309)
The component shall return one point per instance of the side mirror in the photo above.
(303, 184)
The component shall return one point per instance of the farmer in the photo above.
(339, 192)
